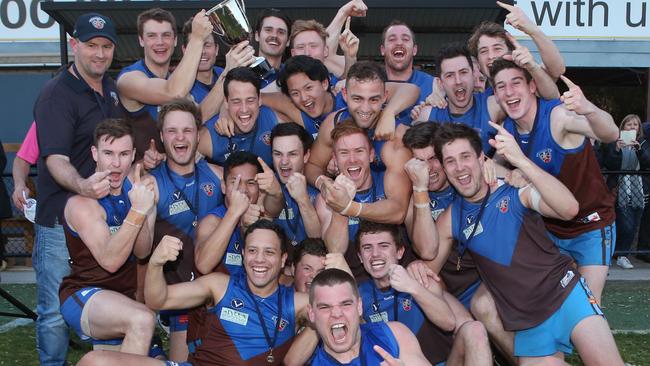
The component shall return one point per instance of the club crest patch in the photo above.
(97, 22)
(502, 205)
(208, 188)
(406, 304)
(283, 323)
(266, 138)
(545, 155)
(237, 303)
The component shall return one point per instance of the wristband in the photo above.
(420, 197)
(417, 189)
(132, 224)
(316, 181)
(421, 205)
(359, 210)
(135, 217)
(345, 210)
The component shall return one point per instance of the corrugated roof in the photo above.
(434, 21)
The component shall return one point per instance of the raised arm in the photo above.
(136, 88)
(320, 152)
(579, 115)
(419, 222)
(521, 56)
(548, 51)
(158, 295)
(546, 195)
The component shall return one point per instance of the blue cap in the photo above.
(91, 25)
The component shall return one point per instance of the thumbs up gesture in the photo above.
(152, 157)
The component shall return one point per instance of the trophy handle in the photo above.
(243, 6)
(218, 29)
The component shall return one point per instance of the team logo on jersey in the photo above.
(503, 204)
(266, 138)
(237, 303)
(283, 323)
(469, 219)
(433, 204)
(406, 304)
(375, 307)
(236, 245)
(97, 22)
(545, 155)
(116, 100)
(208, 188)
(177, 195)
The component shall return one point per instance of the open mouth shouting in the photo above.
(354, 172)
(378, 264)
(339, 332)
(399, 53)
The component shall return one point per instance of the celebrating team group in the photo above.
(333, 212)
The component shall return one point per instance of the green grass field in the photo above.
(626, 304)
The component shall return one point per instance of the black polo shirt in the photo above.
(66, 113)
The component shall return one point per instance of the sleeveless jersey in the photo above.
(178, 199)
(457, 281)
(476, 117)
(144, 120)
(423, 81)
(85, 270)
(257, 141)
(231, 263)
(377, 164)
(523, 269)
(391, 305)
(371, 334)
(290, 218)
(231, 333)
(577, 169)
(199, 90)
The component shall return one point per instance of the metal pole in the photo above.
(63, 44)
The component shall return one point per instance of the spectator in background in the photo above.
(644, 228)
(26, 156)
(633, 155)
(5, 207)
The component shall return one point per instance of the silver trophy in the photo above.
(230, 23)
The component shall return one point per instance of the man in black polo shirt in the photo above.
(67, 110)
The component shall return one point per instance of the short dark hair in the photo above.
(272, 12)
(239, 158)
(313, 246)
(268, 225)
(490, 29)
(420, 135)
(393, 23)
(453, 50)
(314, 69)
(293, 129)
(112, 128)
(500, 64)
(347, 127)
(371, 227)
(331, 277)
(367, 70)
(187, 31)
(157, 14)
(242, 74)
(450, 132)
(183, 105)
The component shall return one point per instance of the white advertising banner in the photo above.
(588, 19)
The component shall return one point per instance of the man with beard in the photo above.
(185, 192)
(252, 191)
(489, 41)
(67, 110)
(537, 293)
(555, 135)
(391, 294)
(358, 193)
(252, 122)
(252, 318)
(147, 84)
(291, 143)
(335, 309)
(104, 236)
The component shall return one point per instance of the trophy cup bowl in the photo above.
(229, 21)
